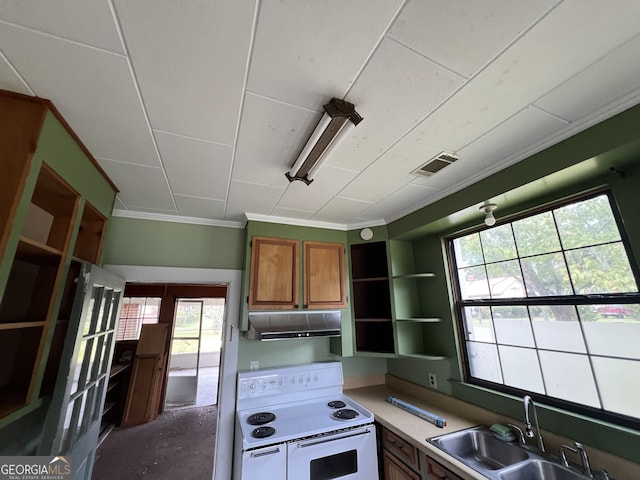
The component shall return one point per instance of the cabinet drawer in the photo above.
(400, 448)
(435, 471)
(395, 470)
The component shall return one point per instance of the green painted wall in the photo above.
(166, 244)
(578, 164)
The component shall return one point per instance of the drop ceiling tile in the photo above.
(395, 91)
(292, 213)
(190, 60)
(554, 52)
(340, 210)
(307, 52)
(328, 181)
(252, 198)
(389, 172)
(195, 167)
(611, 77)
(406, 200)
(93, 90)
(462, 35)
(140, 186)
(9, 80)
(119, 204)
(516, 138)
(272, 134)
(85, 21)
(200, 207)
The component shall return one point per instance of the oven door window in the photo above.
(334, 466)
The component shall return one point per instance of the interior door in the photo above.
(184, 362)
(73, 422)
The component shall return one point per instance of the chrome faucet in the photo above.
(584, 458)
(528, 430)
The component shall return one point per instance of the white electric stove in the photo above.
(296, 424)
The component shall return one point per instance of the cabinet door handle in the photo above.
(397, 445)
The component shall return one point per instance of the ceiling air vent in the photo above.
(436, 164)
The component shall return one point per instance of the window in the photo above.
(549, 304)
(136, 311)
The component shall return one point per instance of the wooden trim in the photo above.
(49, 104)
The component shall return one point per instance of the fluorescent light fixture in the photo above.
(488, 209)
(338, 120)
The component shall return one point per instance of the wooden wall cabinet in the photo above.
(55, 202)
(371, 298)
(275, 274)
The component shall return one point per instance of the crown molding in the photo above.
(162, 217)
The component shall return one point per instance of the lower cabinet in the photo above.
(435, 471)
(394, 469)
(403, 461)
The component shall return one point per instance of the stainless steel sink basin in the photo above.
(478, 448)
(540, 470)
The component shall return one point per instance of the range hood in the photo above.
(296, 324)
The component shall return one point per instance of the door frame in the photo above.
(223, 453)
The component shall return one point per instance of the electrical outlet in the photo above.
(433, 382)
(254, 365)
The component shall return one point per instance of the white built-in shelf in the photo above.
(423, 356)
(420, 319)
(416, 275)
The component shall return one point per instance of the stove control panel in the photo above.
(289, 379)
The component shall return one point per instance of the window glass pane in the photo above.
(601, 269)
(556, 327)
(135, 312)
(619, 394)
(468, 250)
(569, 376)
(512, 326)
(484, 362)
(536, 235)
(546, 275)
(478, 324)
(506, 280)
(521, 369)
(587, 223)
(498, 244)
(473, 283)
(616, 337)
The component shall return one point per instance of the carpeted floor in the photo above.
(178, 445)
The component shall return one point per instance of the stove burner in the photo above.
(345, 414)
(263, 432)
(336, 404)
(261, 418)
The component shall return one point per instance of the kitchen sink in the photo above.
(477, 447)
(540, 470)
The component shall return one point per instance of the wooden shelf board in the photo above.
(370, 279)
(108, 406)
(419, 320)
(19, 325)
(117, 368)
(31, 249)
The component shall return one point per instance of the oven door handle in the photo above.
(263, 454)
(333, 438)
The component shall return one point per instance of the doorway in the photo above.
(194, 359)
